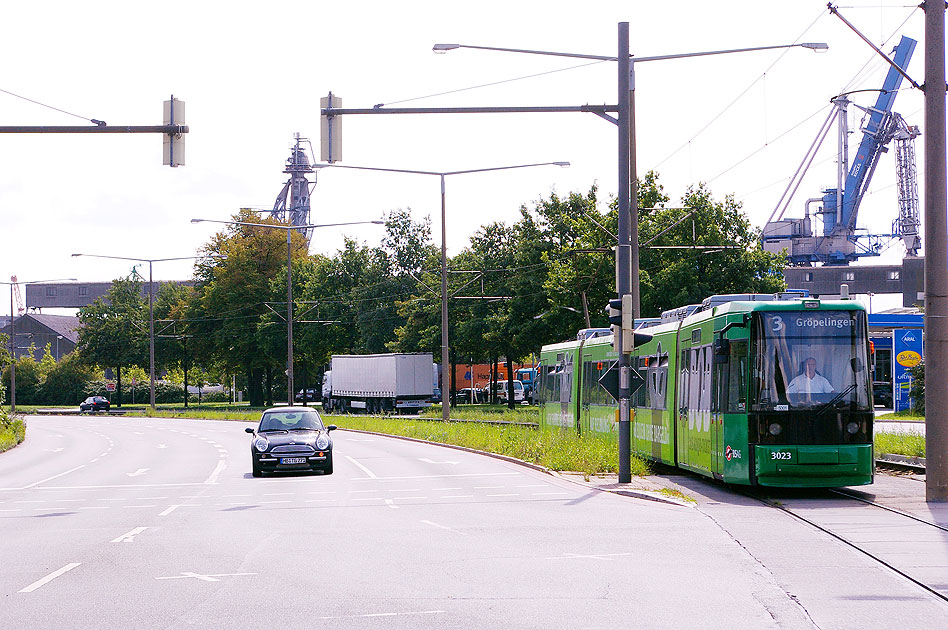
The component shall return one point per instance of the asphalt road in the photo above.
(150, 523)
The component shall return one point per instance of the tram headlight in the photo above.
(853, 428)
(775, 428)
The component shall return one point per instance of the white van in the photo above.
(502, 391)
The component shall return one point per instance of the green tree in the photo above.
(113, 330)
(233, 292)
(675, 277)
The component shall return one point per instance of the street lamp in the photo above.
(12, 283)
(151, 313)
(627, 253)
(445, 400)
(289, 281)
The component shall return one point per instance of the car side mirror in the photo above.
(331, 427)
(248, 430)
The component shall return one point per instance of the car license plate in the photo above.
(292, 460)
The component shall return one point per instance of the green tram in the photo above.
(770, 390)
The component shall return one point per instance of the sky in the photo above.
(252, 74)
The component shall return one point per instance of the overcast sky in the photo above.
(252, 75)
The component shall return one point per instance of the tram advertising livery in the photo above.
(770, 390)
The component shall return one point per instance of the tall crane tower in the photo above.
(839, 243)
(292, 204)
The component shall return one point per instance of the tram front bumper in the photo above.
(814, 466)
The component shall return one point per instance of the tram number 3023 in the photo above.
(781, 455)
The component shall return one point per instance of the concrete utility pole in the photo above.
(936, 258)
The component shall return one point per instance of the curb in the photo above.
(634, 494)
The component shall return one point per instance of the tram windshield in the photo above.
(810, 359)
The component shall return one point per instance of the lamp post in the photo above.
(627, 253)
(289, 281)
(151, 312)
(12, 283)
(445, 400)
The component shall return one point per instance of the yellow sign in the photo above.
(908, 358)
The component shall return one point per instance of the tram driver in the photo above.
(810, 381)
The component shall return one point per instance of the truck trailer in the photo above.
(378, 383)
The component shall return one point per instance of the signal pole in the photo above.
(936, 257)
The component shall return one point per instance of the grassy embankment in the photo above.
(910, 444)
(478, 427)
(12, 431)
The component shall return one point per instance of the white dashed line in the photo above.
(49, 578)
(36, 483)
(168, 510)
(458, 496)
(515, 494)
(390, 503)
(362, 468)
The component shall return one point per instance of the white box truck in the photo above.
(377, 383)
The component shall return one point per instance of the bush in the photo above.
(917, 392)
(66, 381)
(12, 431)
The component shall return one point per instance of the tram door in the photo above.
(717, 418)
(684, 388)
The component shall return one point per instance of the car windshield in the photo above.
(811, 359)
(290, 420)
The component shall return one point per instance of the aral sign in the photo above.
(906, 354)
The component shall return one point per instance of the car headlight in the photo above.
(322, 442)
(261, 443)
(775, 429)
(853, 428)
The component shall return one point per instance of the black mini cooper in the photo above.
(289, 439)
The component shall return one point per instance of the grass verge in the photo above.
(909, 444)
(906, 416)
(12, 431)
(553, 449)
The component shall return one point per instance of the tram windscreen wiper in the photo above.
(835, 399)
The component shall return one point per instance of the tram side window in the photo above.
(737, 378)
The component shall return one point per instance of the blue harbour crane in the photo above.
(840, 242)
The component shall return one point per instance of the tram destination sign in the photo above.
(609, 380)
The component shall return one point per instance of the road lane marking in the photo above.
(437, 489)
(198, 576)
(138, 473)
(390, 503)
(455, 475)
(169, 510)
(53, 450)
(36, 483)
(129, 536)
(217, 472)
(544, 494)
(49, 578)
(127, 507)
(488, 487)
(363, 468)
(449, 529)
(162, 446)
(515, 494)
(405, 490)
(601, 556)
(431, 461)
(386, 614)
(276, 494)
(458, 496)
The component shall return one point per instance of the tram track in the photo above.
(795, 507)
